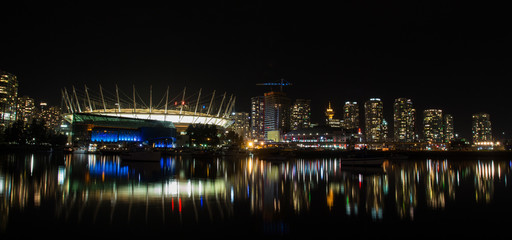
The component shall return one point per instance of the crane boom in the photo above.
(280, 84)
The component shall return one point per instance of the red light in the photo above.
(180, 203)
(172, 204)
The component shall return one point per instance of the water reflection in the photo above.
(97, 189)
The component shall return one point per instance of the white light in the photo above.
(232, 195)
(61, 175)
(189, 188)
(31, 164)
(172, 188)
(2, 180)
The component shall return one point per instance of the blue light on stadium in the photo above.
(112, 136)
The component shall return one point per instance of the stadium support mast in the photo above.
(76, 98)
(118, 103)
(183, 100)
(67, 101)
(197, 102)
(210, 106)
(134, 103)
(150, 98)
(103, 100)
(220, 107)
(166, 99)
(228, 105)
(88, 98)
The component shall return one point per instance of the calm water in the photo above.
(92, 195)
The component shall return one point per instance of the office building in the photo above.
(301, 114)
(241, 124)
(481, 127)
(8, 98)
(374, 116)
(258, 117)
(433, 127)
(403, 120)
(351, 116)
(449, 133)
(277, 115)
(26, 109)
(51, 115)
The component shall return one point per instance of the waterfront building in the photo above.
(449, 133)
(482, 130)
(403, 120)
(351, 116)
(330, 120)
(374, 117)
(8, 98)
(241, 124)
(277, 115)
(301, 114)
(317, 137)
(26, 109)
(433, 125)
(258, 117)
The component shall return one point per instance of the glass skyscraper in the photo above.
(8, 98)
(351, 115)
(449, 133)
(403, 120)
(258, 117)
(482, 130)
(433, 129)
(301, 114)
(374, 116)
(277, 115)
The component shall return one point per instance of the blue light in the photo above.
(108, 168)
(113, 135)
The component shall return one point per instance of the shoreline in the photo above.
(399, 154)
(297, 153)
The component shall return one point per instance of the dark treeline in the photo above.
(35, 133)
(210, 136)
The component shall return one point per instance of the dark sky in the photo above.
(455, 57)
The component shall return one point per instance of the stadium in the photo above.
(141, 116)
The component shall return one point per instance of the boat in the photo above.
(148, 156)
(80, 150)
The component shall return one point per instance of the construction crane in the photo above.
(280, 84)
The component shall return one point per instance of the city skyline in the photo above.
(434, 126)
(438, 55)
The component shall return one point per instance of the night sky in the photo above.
(441, 55)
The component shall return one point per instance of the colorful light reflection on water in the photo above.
(215, 196)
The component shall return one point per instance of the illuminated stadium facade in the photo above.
(103, 116)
